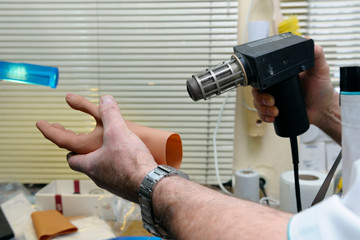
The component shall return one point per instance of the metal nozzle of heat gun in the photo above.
(216, 80)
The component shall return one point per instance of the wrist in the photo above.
(147, 187)
(135, 178)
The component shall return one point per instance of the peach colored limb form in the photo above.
(166, 147)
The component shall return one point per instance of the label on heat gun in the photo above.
(268, 40)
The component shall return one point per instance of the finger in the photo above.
(69, 140)
(318, 51)
(319, 55)
(266, 118)
(267, 114)
(61, 127)
(89, 165)
(86, 142)
(82, 104)
(110, 114)
(60, 136)
(262, 98)
(58, 126)
(74, 161)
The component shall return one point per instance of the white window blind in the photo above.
(141, 52)
(335, 25)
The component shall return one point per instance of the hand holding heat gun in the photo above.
(272, 65)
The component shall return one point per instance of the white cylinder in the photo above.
(258, 30)
(310, 183)
(247, 185)
(350, 105)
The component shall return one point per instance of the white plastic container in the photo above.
(76, 198)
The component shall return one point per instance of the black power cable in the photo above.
(295, 158)
(262, 183)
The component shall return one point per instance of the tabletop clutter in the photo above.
(67, 209)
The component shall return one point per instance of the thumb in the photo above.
(111, 117)
(78, 162)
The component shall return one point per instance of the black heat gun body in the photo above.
(272, 65)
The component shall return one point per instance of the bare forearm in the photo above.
(331, 121)
(191, 211)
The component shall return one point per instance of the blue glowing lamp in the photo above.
(29, 74)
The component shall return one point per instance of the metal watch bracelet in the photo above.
(145, 198)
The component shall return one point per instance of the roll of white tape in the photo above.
(310, 183)
(247, 185)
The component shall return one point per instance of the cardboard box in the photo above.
(76, 198)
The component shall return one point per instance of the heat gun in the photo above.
(272, 65)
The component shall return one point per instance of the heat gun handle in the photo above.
(292, 119)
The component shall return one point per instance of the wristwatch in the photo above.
(145, 198)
